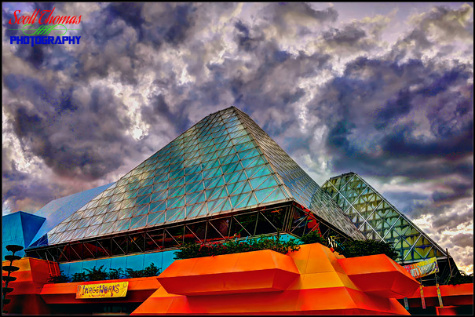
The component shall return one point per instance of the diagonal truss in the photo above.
(225, 163)
(377, 218)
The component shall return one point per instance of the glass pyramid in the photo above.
(379, 220)
(224, 163)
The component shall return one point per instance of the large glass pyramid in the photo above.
(224, 163)
(379, 220)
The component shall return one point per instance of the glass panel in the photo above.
(158, 206)
(155, 219)
(274, 196)
(138, 222)
(263, 193)
(143, 200)
(159, 195)
(141, 210)
(176, 202)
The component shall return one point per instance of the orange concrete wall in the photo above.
(322, 285)
(31, 277)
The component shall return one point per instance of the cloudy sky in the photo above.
(381, 89)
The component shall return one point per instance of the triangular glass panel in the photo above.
(276, 195)
(158, 206)
(138, 222)
(155, 219)
(194, 210)
(173, 214)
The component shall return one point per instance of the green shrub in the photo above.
(192, 250)
(61, 278)
(115, 274)
(354, 248)
(151, 270)
(131, 273)
(79, 277)
(366, 247)
(96, 274)
(313, 237)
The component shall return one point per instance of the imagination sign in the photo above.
(102, 290)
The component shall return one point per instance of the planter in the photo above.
(248, 272)
(253, 283)
(379, 275)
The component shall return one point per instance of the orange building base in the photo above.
(313, 280)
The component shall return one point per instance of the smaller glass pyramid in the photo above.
(379, 220)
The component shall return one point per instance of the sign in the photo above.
(423, 268)
(102, 290)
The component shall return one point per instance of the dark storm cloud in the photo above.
(462, 240)
(451, 122)
(158, 110)
(97, 128)
(167, 22)
(449, 221)
(301, 9)
(459, 190)
(20, 189)
(405, 201)
(374, 113)
(26, 191)
(130, 12)
(401, 143)
(244, 40)
(349, 35)
(440, 25)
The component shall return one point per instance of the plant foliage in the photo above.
(79, 277)
(193, 250)
(99, 274)
(313, 237)
(356, 248)
(61, 278)
(96, 274)
(115, 274)
(150, 270)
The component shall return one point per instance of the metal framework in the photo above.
(378, 219)
(288, 218)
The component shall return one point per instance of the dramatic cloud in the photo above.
(386, 94)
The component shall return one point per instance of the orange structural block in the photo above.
(320, 285)
(139, 289)
(258, 271)
(379, 275)
(447, 311)
(31, 276)
(456, 295)
(293, 302)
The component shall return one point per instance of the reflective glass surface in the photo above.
(379, 220)
(214, 167)
(224, 163)
(298, 184)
